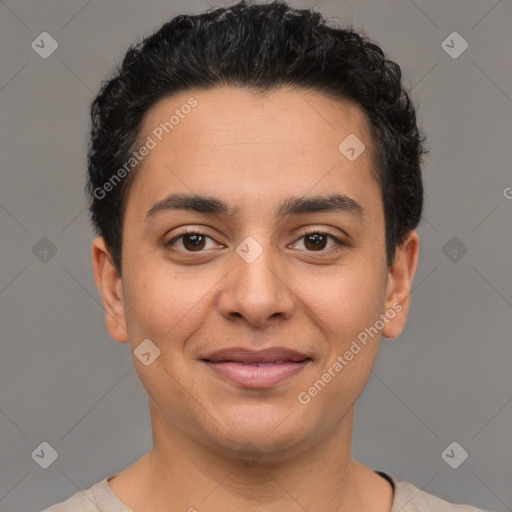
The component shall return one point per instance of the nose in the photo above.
(256, 288)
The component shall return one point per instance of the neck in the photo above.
(192, 477)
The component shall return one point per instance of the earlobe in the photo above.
(399, 284)
(109, 285)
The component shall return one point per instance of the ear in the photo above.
(399, 283)
(109, 285)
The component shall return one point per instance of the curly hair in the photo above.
(261, 47)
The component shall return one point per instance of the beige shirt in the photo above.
(407, 498)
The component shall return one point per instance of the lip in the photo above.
(240, 365)
(244, 355)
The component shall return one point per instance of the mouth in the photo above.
(256, 369)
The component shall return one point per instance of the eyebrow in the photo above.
(291, 206)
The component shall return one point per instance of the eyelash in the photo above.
(339, 243)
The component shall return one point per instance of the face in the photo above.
(283, 259)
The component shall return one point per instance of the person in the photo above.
(254, 177)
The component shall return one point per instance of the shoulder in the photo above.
(408, 498)
(82, 500)
(98, 498)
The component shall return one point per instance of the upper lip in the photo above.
(244, 355)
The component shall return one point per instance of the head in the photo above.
(289, 151)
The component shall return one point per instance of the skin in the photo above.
(253, 152)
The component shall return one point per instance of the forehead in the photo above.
(237, 142)
(284, 116)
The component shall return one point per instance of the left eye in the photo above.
(314, 241)
(317, 240)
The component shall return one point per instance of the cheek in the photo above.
(163, 305)
(347, 315)
(349, 301)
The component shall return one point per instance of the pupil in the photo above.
(317, 242)
(197, 243)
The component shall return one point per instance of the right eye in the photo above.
(191, 241)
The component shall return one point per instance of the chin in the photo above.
(270, 433)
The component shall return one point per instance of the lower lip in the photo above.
(257, 377)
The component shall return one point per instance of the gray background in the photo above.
(447, 378)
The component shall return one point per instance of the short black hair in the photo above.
(260, 47)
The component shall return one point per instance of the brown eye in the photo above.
(193, 242)
(315, 241)
(190, 242)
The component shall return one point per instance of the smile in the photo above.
(257, 375)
